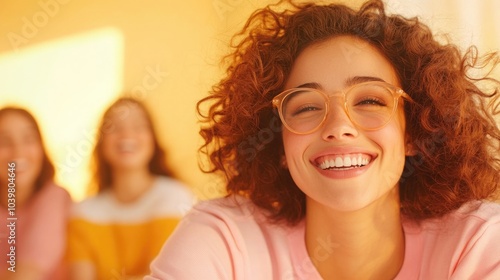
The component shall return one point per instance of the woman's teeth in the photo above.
(344, 161)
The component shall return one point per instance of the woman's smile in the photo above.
(343, 162)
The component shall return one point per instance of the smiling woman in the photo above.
(116, 234)
(383, 166)
(34, 208)
(380, 149)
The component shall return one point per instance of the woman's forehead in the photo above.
(336, 61)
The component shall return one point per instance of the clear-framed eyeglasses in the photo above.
(369, 105)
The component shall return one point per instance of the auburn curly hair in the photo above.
(451, 123)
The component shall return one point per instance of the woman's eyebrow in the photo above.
(348, 82)
(310, 85)
(361, 79)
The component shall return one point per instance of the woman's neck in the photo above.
(364, 244)
(128, 186)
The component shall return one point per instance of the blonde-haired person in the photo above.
(33, 209)
(116, 234)
(379, 158)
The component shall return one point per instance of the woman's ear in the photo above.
(410, 149)
(283, 163)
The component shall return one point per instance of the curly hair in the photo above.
(47, 172)
(102, 172)
(451, 123)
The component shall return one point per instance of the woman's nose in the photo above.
(337, 124)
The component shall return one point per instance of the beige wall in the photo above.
(164, 52)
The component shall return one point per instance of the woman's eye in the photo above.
(371, 101)
(304, 109)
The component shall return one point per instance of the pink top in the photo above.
(220, 240)
(40, 232)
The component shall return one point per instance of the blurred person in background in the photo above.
(40, 207)
(118, 232)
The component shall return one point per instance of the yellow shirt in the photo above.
(122, 239)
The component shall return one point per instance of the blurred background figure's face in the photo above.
(20, 143)
(127, 138)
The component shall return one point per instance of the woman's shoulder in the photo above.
(170, 197)
(464, 238)
(172, 187)
(167, 198)
(50, 202)
(52, 191)
(477, 219)
(231, 238)
(486, 211)
(94, 207)
(472, 215)
(50, 196)
(228, 206)
(234, 212)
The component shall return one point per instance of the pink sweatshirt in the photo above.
(220, 239)
(39, 234)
